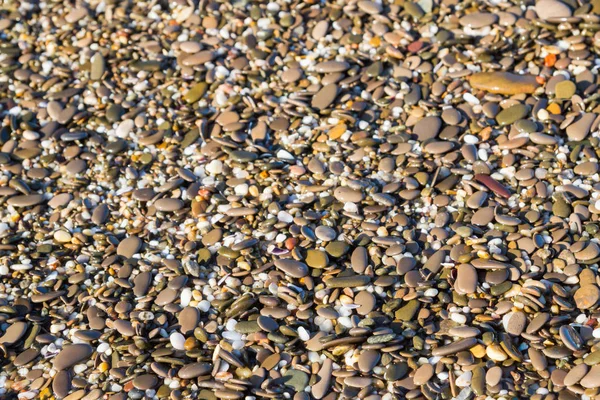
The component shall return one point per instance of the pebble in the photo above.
(423, 374)
(549, 9)
(478, 20)
(503, 83)
(293, 268)
(72, 354)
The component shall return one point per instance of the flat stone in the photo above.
(512, 114)
(565, 89)
(576, 374)
(72, 354)
(587, 297)
(503, 83)
(434, 262)
(427, 128)
(129, 246)
(348, 281)
(267, 324)
(26, 357)
(316, 259)
(293, 268)
(580, 129)
(423, 374)
(550, 9)
(455, 347)
(478, 20)
(592, 378)
(369, 7)
(168, 205)
(348, 195)
(145, 381)
(466, 279)
(366, 301)
(296, 379)
(324, 97)
(124, 327)
(516, 323)
(61, 384)
(321, 387)
(188, 318)
(359, 260)
(194, 370)
(25, 200)
(367, 360)
(14, 333)
(332, 66)
(98, 67)
(337, 248)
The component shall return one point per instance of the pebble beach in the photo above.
(300, 200)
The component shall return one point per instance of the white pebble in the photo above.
(284, 216)
(230, 326)
(471, 139)
(204, 305)
(458, 318)
(102, 347)
(464, 380)
(215, 167)
(177, 341)
(186, 297)
(305, 336)
(124, 128)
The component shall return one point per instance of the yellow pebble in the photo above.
(478, 351)
(553, 108)
(337, 131)
(103, 367)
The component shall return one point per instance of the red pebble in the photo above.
(493, 185)
(415, 46)
(290, 243)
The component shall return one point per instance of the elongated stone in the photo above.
(503, 83)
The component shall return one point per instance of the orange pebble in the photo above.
(553, 108)
(550, 60)
(290, 243)
(540, 79)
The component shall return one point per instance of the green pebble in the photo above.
(512, 114)
(316, 259)
(337, 248)
(407, 312)
(196, 92)
(296, 379)
(565, 90)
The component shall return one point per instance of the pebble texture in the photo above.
(359, 199)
